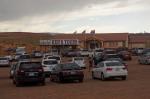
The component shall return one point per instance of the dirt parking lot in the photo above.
(137, 86)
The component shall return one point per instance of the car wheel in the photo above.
(18, 84)
(102, 77)
(14, 82)
(124, 78)
(93, 75)
(51, 78)
(43, 83)
(59, 79)
(146, 62)
(81, 80)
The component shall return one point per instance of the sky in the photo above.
(68, 16)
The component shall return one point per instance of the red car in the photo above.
(125, 55)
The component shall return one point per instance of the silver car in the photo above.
(144, 59)
(4, 62)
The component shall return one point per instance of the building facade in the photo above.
(86, 41)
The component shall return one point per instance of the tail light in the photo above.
(124, 68)
(79, 72)
(20, 72)
(40, 69)
(65, 72)
(109, 69)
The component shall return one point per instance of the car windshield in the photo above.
(50, 62)
(112, 56)
(98, 50)
(28, 65)
(114, 64)
(147, 54)
(54, 57)
(78, 59)
(114, 59)
(3, 58)
(70, 66)
(24, 57)
(85, 50)
(110, 52)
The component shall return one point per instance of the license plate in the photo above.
(117, 69)
(73, 73)
(31, 74)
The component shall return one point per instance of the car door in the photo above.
(100, 69)
(95, 69)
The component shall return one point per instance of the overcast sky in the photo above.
(74, 15)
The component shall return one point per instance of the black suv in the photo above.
(67, 71)
(27, 71)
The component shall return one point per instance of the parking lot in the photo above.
(137, 86)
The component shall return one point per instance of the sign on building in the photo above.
(60, 42)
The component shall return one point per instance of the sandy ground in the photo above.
(137, 86)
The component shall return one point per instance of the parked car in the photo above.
(137, 51)
(56, 57)
(84, 52)
(80, 61)
(98, 51)
(48, 64)
(73, 54)
(12, 70)
(146, 50)
(4, 62)
(110, 69)
(10, 58)
(27, 71)
(97, 58)
(109, 51)
(36, 54)
(107, 56)
(16, 56)
(46, 55)
(144, 59)
(118, 59)
(67, 71)
(125, 55)
(25, 57)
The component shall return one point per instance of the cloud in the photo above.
(62, 15)
(14, 9)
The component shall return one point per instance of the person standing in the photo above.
(90, 63)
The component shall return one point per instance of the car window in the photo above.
(50, 62)
(70, 66)
(78, 58)
(24, 56)
(54, 57)
(3, 58)
(28, 65)
(114, 64)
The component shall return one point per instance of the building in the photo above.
(139, 40)
(86, 41)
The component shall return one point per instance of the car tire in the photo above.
(51, 79)
(102, 77)
(14, 82)
(81, 80)
(60, 79)
(18, 84)
(146, 62)
(43, 83)
(124, 78)
(93, 75)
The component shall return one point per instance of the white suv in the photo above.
(80, 61)
(4, 61)
(109, 69)
(48, 64)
